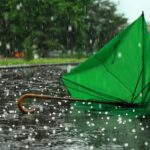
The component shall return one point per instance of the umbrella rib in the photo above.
(100, 93)
(113, 75)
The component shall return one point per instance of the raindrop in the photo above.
(60, 125)
(92, 124)
(45, 127)
(106, 113)
(66, 129)
(87, 122)
(71, 107)
(91, 147)
(89, 114)
(23, 127)
(69, 141)
(53, 118)
(140, 94)
(52, 18)
(13, 125)
(91, 107)
(18, 7)
(41, 108)
(7, 92)
(69, 68)
(49, 144)
(114, 139)
(103, 129)
(143, 116)
(119, 120)
(89, 103)
(115, 128)
(75, 130)
(95, 136)
(108, 118)
(126, 144)
(28, 113)
(79, 111)
(10, 104)
(69, 28)
(54, 113)
(81, 134)
(142, 128)
(133, 130)
(59, 103)
(135, 136)
(90, 41)
(60, 114)
(139, 44)
(146, 143)
(10, 129)
(27, 146)
(129, 120)
(100, 113)
(54, 131)
(119, 54)
(24, 133)
(8, 46)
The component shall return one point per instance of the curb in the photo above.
(38, 65)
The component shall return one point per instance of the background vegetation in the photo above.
(74, 27)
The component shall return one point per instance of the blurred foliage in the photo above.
(28, 49)
(72, 26)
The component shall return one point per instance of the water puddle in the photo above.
(61, 125)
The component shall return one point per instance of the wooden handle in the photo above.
(38, 96)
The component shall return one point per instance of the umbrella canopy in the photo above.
(119, 72)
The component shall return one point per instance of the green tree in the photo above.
(66, 25)
(103, 23)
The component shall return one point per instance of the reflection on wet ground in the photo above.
(61, 125)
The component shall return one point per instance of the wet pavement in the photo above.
(58, 124)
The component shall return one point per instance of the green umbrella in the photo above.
(119, 72)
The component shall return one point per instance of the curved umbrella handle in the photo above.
(42, 97)
(47, 97)
(20, 104)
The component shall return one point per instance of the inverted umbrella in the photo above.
(118, 74)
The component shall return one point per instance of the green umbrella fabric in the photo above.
(119, 72)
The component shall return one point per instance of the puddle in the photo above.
(58, 125)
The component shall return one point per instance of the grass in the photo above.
(13, 61)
